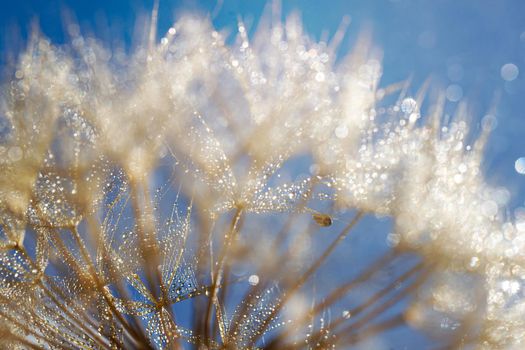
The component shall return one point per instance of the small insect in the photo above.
(323, 220)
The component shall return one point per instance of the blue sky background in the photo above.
(456, 42)
(463, 43)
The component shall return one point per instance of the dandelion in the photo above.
(151, 200)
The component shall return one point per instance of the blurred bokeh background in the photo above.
(473, 49)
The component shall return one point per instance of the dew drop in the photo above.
(509, 72)
(408, 105)
(510, 286)
(454, 93)
(253, 280)
(413, 117)
(489, 122)
(458, 178)
(519, 165)
(393, 239)
(15, 153)
(474, 262)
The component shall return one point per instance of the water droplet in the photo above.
(454, 93)
(15, 153)
(408, 105)
(413, 117)
(253, 280)
(509, 72)
(393, 239)
(510, 286)
(474, 262)
(489, 122)
(519, 165)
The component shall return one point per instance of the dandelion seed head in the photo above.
(224, 122)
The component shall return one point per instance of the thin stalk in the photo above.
(24, 342)
(149, 248)
(71, 260)
(371, 301)
(287, 294)
(392, 322)
(338, 293)
(80, 324)
(271, 265)
(28, 330)
(138, 337)
(148, 245)
(389, 303)
(228, 240)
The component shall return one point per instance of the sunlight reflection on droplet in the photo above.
(253, 280)
(15, 153)
(489, 122)
(408, 105)
(509, 72)
(519, 165)
(454, 93)
(510, 286)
